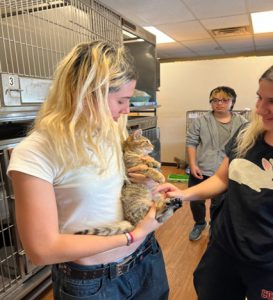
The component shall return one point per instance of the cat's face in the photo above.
(144, 145)
(140, 143)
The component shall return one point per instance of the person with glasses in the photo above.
(238, 262)
(205, 141)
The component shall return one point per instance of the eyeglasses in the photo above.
(224, 101)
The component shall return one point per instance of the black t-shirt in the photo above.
(244, 227)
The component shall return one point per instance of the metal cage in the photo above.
(34, 36)
(193, 114)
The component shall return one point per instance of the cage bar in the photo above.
(34, 36)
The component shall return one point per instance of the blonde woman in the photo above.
(68, 174)
(238, 262)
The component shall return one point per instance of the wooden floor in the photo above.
(181, 255)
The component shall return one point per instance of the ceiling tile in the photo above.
(211, 8)
(214, 52)
(161, 12)
(184, 31)
(175, 51)
(130, 10)
(204, 47)
(240, 50)
(225, 22)
(236, 42)
(263, 39)
(267, 47)
(174, 47)
(189, 23)
(259, 5)
(152, 12)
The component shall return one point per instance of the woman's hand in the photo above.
(169, 191)
(135, 175)
(147, 224)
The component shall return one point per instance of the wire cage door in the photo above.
(34, 36)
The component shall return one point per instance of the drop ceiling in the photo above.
(202, 29)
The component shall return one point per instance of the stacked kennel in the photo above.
(34, 36)
(193, 114)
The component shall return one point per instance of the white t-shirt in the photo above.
(84, 197)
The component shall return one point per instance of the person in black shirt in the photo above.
(238, 262)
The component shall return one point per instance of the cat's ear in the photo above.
(137, 134)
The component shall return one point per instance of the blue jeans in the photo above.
(146, 280)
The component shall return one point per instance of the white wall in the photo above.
(186, 85)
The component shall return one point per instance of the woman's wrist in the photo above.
(138, 233)
(130, 238)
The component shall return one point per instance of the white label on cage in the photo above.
(192, 115)
(34, 90)
(11, 90)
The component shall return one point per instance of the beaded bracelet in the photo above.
(129, 237)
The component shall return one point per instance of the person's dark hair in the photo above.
(228, 90)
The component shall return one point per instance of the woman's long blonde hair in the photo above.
(76, 117)
(249, 135)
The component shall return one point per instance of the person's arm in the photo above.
(37, 222)
(135, 176)
(195, 171)
(209, 188)
(192, 142)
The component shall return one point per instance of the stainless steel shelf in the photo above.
(145, 108)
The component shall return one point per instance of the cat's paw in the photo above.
(155, 175)
(157, 164)
(167, 208)
(175, 203)
(160, 178)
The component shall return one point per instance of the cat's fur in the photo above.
(136, 198)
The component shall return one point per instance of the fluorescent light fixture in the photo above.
(160, 36)
(262, 22)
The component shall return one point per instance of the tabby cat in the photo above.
(136, 198)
